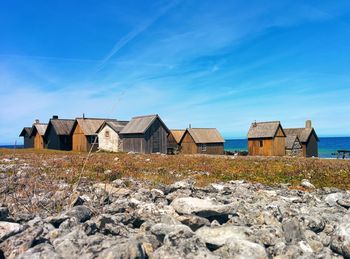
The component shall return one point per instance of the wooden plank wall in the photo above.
(311, 147)
(188, 146)
(212, 149)
(38, 141)
(79, 141)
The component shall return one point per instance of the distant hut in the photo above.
(202, 141)
(266, 139)
(108, 136)
(84, 134)
(145, 134)
(28, 141)
(293, 146)
(58, 134)
(37, 133)
(174, 139)
(307, 137)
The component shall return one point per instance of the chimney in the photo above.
(308, 124)
(189, 126)
(36, 121)
(54, 117)
(83, 115)
(254, 124)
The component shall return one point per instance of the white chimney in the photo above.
(36, 121)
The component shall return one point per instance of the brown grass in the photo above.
(168, 169)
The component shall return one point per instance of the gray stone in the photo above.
(292, 230)
(8, 229)
(81, 213)
(340, 242)
(306, 184)
(40, 251)
(344, 203)
(331, 199)
(130, 249)
(241, 249)
(193, 221)
(160, 230)
(201, 207)
(218, 236)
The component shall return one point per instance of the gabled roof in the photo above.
(62, 126)
(177, 134)
(39, 127)
(204, 135)
(290, 140)
(25, 131)
(264, 129)
(117, 126)
(89, 126)
(140, 124)
(302, 133)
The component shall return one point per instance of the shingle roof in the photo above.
(205, 135)
(302, 133)
(140, 124)
(290, 140)
(89, 126)
(25, 130)
(117, 126)
(263, 129)
(62, 126)
(177, 135)
(39, 127)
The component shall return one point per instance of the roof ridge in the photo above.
(81, 118)
(143, 116)
(260, 122)
(202, 128)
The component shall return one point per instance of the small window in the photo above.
(204, 147)
(107, 133)
(261, 143)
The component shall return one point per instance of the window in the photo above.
(107, 133)
(203, 147)
(261, 143)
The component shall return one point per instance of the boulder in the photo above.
(340, 242)
(193, 221)
(8, 229)
(40, 251)
(81, 213)
(241, 249)
(201, 207)
(331, 199)
(306, 184)
(130, 249)
(292, 230)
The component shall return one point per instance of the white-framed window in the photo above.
(107, 133)
(203, 147)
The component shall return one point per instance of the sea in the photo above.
(327, 147)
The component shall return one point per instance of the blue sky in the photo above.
(217, 64)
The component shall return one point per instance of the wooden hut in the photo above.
(293, 146)
(145, 134)
(84, 134)
(108, 136)
(202, 141)
(28, 141)
(58, 134)
(308, 138)
(174, 139)
(37, 133)
(266, 139)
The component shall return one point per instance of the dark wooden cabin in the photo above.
(37, 133)
(202, 141)
(174, 139)
(308, 138)
(28, 141)
(293, 146)
(84, 136)
(266, 139)
(58, 134)
(145, 134)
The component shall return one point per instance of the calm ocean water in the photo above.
(326, 146)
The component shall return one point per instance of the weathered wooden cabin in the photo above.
(293, 146)
(84, 136)
(308, 138)
(108, 136)
(37, 133)
(174, 139)
(202, 141)
(28, 141)
(145, 134)
(58, 134)
(266, 139)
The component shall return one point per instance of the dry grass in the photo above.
(56, 165)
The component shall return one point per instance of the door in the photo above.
(156, 141)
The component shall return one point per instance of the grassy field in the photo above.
(105, 167)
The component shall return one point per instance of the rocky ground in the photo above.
(130, 218)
